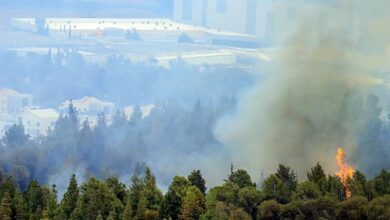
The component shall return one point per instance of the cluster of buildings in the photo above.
(267, 20)
(200, 32)
(17, 108)
(158, 40)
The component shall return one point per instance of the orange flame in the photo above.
(345, 171)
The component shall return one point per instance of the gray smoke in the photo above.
(310, 103)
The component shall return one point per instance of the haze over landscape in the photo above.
(190, 109)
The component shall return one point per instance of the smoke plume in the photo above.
(311, 102)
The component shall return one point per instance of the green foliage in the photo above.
(382, 183)
(239, 214)
(370, 190)
(7, 186)
(379, 208)
(288, 177)
(174, 197)
(226, 193)
(152, 214)
(128, 212)
(274, 188)
(112, 216)
(35, 199)
(142, 207)
(196, 179)
(322, 207)
(99, 216)
(135, 192)
(248, 199)
(353, 208)
(215, 209)
(241, 178)
(118, 188)
(334, 186)
(291, 211)
(151, 192)
(50, 201)
(5, 207)
(316, 174)
(269, 210)
(307, 190)
(193, 205)
(96, 196)
(70, 198)
(318, 198)
(20, 204)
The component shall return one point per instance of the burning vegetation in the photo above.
(345, 172)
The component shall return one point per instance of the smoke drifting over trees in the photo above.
(171, 139)
(314, 98)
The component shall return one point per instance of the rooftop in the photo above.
(11, 92)
(87, 100)
(45, 113)
(140, 24)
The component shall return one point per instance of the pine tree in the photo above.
(174, 197)
(141, 208)
(78, 213)
(288, 177)
(97, 196)
(118, 188)
(35, 198)
(73, 117)
(20, 205)
(15, 136)
(5, 207)
(128, 213)
(241, 178)
(51, 203)
(7, 186)
(151, 192)
(197, 180)
(69, 201)
(316, 174)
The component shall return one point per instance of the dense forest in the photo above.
(25, 194)
(280, 196)
(113, 146)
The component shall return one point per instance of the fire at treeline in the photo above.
(347, 194)
(280, 196)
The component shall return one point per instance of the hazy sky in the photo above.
(86, 8)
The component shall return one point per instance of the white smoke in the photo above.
(309, 105)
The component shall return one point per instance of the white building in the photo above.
(147, 29)
(222, 57)
(37, 122)
(13, 103)
(262, 18)
(89, 106)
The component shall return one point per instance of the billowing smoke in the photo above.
(311, 102)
